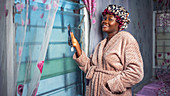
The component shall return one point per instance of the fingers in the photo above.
(72, 35)
(74, 44)
(73, 39)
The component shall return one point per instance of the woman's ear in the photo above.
(119, 26)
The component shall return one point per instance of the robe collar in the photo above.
(110, 42)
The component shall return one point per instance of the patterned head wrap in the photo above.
(120, 13)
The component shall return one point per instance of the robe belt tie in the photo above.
(94, 69)
(90, 72)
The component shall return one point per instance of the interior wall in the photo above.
(141, 28)
(3, 66)
(7, 87)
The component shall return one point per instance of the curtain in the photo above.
(34, 23)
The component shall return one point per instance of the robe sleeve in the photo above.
(83, 61)
(133, 72)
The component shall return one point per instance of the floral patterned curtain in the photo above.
(34, 23)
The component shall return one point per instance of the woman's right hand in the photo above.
(75, 43)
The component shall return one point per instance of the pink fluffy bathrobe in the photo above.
(118, 63)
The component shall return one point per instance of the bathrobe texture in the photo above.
(118, 63)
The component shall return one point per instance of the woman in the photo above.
(116, 64)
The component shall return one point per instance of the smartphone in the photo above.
(69, 35)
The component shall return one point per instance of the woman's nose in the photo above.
(105, 21)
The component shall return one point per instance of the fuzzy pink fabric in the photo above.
(117, 64)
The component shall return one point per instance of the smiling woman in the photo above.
(116, 64)
(109, 25)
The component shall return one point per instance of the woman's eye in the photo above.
(104, 18)
(110, 19)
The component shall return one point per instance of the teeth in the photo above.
(105, 26)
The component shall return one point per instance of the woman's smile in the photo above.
(109, 24)
(105, 26)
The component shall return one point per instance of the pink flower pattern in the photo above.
(22, 6)
(22, 22)
(94, 4)
(40, 66)
(163, 63)
(167, 2)
(18, 7)
(42, 15)
(26, 20)
(20, 51)
(34, 8)
(20, 89)
(168, 61)
(94, 21)
(48, 7)
(54, 4)
(159, 55)
(91, 7)
(44, 1)
(35, 90)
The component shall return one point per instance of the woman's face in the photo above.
(109, 24)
